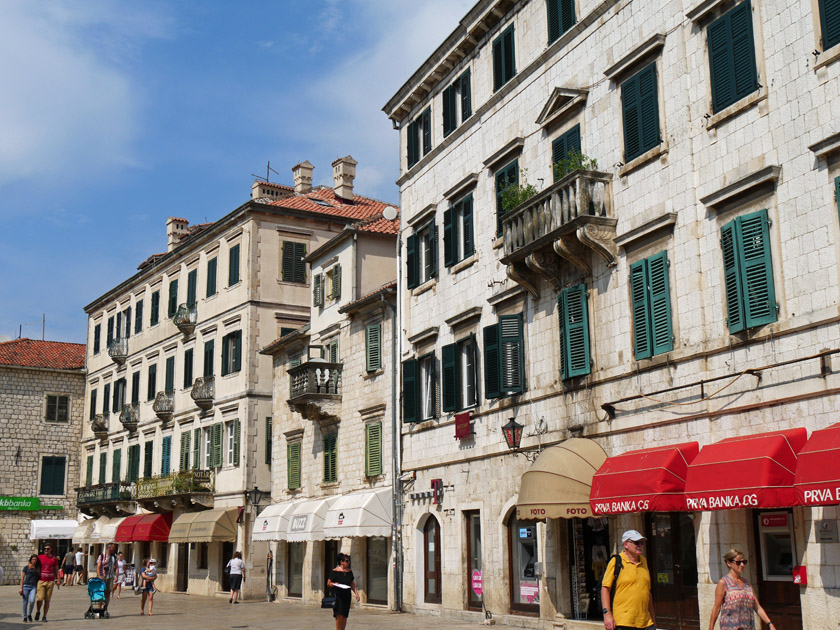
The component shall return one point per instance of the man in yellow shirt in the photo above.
(632, 606)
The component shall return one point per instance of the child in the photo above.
(148, 575)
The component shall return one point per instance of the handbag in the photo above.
(328, 601)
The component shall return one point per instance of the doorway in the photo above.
(227, 554)
(182, 579)
(672, 557)
(431, 561)
(523, 556)
(475, 576)
(330, 559)
(294, 569)
(776, 557)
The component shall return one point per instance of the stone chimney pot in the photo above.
(344, 172)
(302, 174)
(175, 229)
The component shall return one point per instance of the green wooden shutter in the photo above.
(170, 375)
(410, 394)
(431, 260)
(209, 349)
(450, 244)
(467, 226)
(504, 65)
(331, 458)
(641, 310)
(134, 462)
(226, 355)
(509, 54)
(138, 317)
(172, 307)
(89, 471)
(553, 14)
(426, 129)
(116, 463)
(188, 368)
(103, 466)
(300, 265)
(148, 461)
(640, 111)
(411, 262)
(732, 57)
(449, 101)
(233, 265)
(293, 465)
(756, 269)
(268, 439)
(837, 179)
(466, 96)
(413, 142)
(184, 461)
(127, 318)
(830, 22)
(575, 332)
(216, 445)
(192, 287)
(511, 343)
(660, 304)
(563, 146)
(106, 398)
(97, 333)
(236, 441)
(110, 336)
(52, 475)
(151, 385)
(155, 310)
(317, 290)
(732, 278)
(135, 387)
(196, 450)
(165, 456)
(373, 449)
(373, 347)
(449, 382)
(492, 362)
(498, 64)
(288, 261)
(336, 282)
(212, 265)
(237, 358)
(92, 404)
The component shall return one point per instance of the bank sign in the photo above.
(20, 503)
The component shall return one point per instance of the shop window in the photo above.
(201, 553)
(294, 572)
(523, 558)
(377, 570)
(589, 544)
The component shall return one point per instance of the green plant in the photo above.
(575, 161)
(517, 194)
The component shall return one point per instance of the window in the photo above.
(295, 361)
(209, 349)
(155, 310)
(184, 459)
(151, 386)
(332, 351)
(127, 320)
(116, 461)
(213, 446)
(165, 455)
(505, 178)
(333, 277)
(457, 94)
(52, 475)
(135, 387)
(138, 317)
(110, 338)
(172, 304)
(119, 395)
(732, 57)
(89, 471)
(504, 66)
(192, 287)
(419, 137)
(640, 112)
(373, 347)
(330, 458)
(133, 462)
(169, 383)
(459, 375)
(419, 389)
(504, 357)
(318, 289)
(294, 268)
(293, 465)
(202, 551)
(212, 265)
(458, 232)
(421, 255)
(651, 302)
(103, 466)
(563, 147)
(232, 352)
(196, 449)
(188, 368)
(106, 398)
(574, 332)
(92, 414)
(748, 272)
(561, 17)
(118, 334)
(97, 332)
(268, 440)
(373, 449)
(233, 265)
(232, 443)
(58, 409)
(148, 453)
(830, 23)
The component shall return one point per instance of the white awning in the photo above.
(360, 514)
(105, 529)
(56, 529)
(84, 532)
(273, 521)
(306, 523)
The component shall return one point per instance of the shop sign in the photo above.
(298, 523)
(476, 582)
(821, 496)
(201, 476)
(780, 519)
(265, 525)
(800, 575)
(341, 518)
(622, 507)
(827, 531)
(20, 503)
(437, 491)
(722, 502)
(462, 425)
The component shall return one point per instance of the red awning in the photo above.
(818, 469)
(746, 472)
(647, 480)
(144, 527)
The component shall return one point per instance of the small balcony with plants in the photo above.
(105, 498)
(185, 318)
(164, 405)
(184, 488)
(204, 392)
(118, 350)
(130, 416)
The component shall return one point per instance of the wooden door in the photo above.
(330, 559)
(227, 554)
(475, 577)
(431, 561)
(774, 571)
(183, 576)
(672, 559)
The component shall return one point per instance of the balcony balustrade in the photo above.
(130, 416)
(186, 318)
(164, 405)
(99, 426)
(204, 392)
(118, 350)
(176, 483)
(316, 389)
(103, 493)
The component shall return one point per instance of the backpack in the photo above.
(618, 566)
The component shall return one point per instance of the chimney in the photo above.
(344, 172)
(302, 174)
(175, 229)
(267, 190)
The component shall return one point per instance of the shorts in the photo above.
(80, 568)
(69, 568)
(45, 590)
(235, 581)
(120, 579)
(109, 584)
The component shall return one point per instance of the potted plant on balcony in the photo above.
(574, 161)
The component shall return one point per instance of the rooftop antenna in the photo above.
(268, 170)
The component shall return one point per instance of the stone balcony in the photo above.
(164, 405)
(204, 392)
(99, 426)
(105, 498)
(130, 416)
(118, 350)
(185, 318)
(184, 488)
(567, 222)
(315, 389)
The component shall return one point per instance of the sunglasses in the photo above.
(741, 562)
(638, 543)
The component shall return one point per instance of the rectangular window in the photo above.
(425, 122)
(209, 349)
(830, 23)
(458, 232)
(504, 65)
(574, 332)
(294, 268)
(561, 17)
(334, 283)
(332, 351)
(426, 368)
(456, 96)
(732, 57)
(640, 112)
(421, 255)
(562, 149)
(92, 414)
(119, 395)
(133, 463)
(208, 448)
(232, 352)
(232, 443)
(127, 320)
(233, 265)
(419, 137)
(293, 465)
(212, 266)
(138, 317)
(151, 385)
(103, 466)
(196, 449)
(115, 465)
(118, 333)
(170, 375)
(135, 387)
(413, 142)
(217, 444)
(184, 459)
(97, 332)
(504, 357)
(52, 475)
(110, 338)
(188, 368)
(373, 449)
(268, 440)
(58, 409)
(155, 310)
(172, 304)
(89, 471)
(165, 455)
(506, 177)
(318, 289)
(459, 376)
(148, 461)
(373, 347)
(106, 398)
(330, 458)
(202, 553)
(651, 302)
(748, 272)
(192, 287)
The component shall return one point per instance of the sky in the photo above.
(116, 115)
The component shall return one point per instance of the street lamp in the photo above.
(513, 434)
(256, 495)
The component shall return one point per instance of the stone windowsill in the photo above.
(738, 107)
(369, 375)
(499, 242)
(637, 162)
(426, 286)
(464, 264)
(827, 57)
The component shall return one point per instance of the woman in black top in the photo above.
(344, 576)
(29, 584)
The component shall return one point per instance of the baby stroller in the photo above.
(96, 591)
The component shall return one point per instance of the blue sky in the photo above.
(116, 115)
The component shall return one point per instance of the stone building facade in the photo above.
(673, 280)
(42, 386)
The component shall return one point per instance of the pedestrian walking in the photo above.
(69, 567)
(625, 588)
(735, 600)
(106, 569)
(48, 580)
(29, 585)
(79, 568)
(148, 575)
(236, 568)
(120, 574)
(341, 580)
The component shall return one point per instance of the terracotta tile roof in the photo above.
(56, 355)
(323, 200)
(151, 260)
(273, 185)
(379, 225)
(385, 288)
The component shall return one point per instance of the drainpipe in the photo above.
(354, 268)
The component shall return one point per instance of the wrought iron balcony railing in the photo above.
(99, 425)
(186, 318)
(130, 416)
(204, 392)
(118, 350)
(315, 379)
(176, 483)
(164, 405)
(104, 493)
